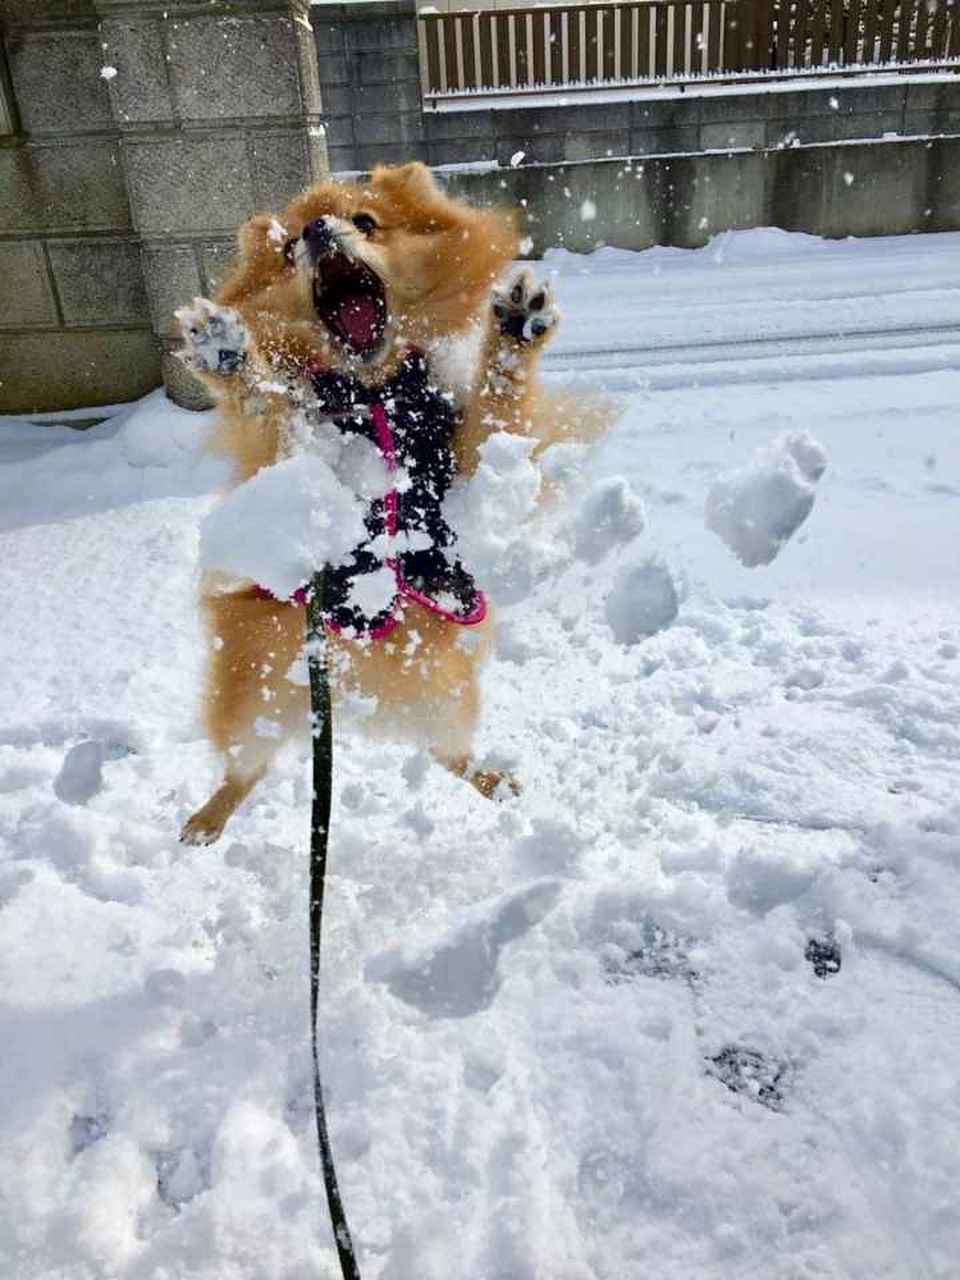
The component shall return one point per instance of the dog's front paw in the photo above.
(494, 784)
(525, 311)
(215, 339)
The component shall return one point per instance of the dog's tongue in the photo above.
(359, 317)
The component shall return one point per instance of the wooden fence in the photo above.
(653, 40)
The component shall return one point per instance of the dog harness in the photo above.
(412, 423)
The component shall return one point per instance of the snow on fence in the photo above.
(580, 44)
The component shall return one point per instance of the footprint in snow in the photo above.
(460, 976)
(750, 1074)
(824, 955)
(658, 953)
(86, 1130)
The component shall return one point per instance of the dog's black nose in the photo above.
(318, 235)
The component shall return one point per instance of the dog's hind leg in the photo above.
(251, 705)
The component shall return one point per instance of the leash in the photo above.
(322, 735)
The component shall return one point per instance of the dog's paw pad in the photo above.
(201, 830)
(525, 310)
(215, 339)
(494, 784)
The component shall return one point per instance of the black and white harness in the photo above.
(411, 421)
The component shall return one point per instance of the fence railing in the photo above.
(651, 40)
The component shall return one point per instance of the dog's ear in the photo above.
(414, 180)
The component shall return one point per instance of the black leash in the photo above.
(322, 735)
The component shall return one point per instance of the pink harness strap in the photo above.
(405, 591)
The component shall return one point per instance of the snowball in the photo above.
(642, 602)
(517, 159)
(611, 516)
(756, 510)
(80, 777)
(588, 211)
(283, 525)
(107, 73)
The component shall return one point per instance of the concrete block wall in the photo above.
(370, 70)
(855, 189)
(368, 59)
(776, 117)
(120, 196)
(74, 319)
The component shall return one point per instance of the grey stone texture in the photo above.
(67, 369)
(141, 91)
(221, 70)
(60, 188)
(172, 276)
(687, 123)
(120, 197)
(894, 188)
(28, 297)
(183, 183)
(99, 282)
(42, 64)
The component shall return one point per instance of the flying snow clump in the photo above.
(642, 601)
(283, 525)
(759, 508)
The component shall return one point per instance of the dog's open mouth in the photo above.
(350, 300)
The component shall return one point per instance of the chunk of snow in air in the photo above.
(642, 602)
(759, 508)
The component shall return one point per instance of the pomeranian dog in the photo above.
(332, 312)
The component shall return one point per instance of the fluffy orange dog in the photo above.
(350, 279)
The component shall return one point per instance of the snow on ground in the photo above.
(581, 1035)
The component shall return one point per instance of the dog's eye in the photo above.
(288, 251)
(365, 222)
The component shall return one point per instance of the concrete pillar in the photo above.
(219, 114)
(74, 321)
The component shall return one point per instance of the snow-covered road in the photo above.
(581, 1035)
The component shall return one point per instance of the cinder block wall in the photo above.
(120, 196)
(780, 116)
(369, 68)
(860, 189)
(74, 315)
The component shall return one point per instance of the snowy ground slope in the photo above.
(574, 1037)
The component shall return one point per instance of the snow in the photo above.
(757, 509)
(581, 1032)
(81, 774)
(642, 601)
(282, 525)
